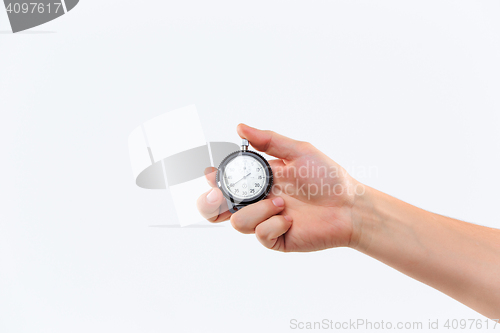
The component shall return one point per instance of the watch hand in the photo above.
(242, 178)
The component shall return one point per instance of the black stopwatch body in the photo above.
(244, 177)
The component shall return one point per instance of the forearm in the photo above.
(460, 259)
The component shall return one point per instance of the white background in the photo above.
(411, 88)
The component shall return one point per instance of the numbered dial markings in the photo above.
(244, 177)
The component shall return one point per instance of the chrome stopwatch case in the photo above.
(244, 177)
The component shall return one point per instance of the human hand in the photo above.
(310, 206)
(314, 205)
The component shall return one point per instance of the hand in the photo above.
(311, 203)
(314, 204)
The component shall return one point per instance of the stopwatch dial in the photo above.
(244, 177)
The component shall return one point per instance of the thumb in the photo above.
(270, 142)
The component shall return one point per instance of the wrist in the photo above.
(364, 218)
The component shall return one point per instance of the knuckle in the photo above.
(271, 135)
(277, 221)
(260, 233)
(238, 223)
(270, 132)
(263, 239)
(234, 221)
(305, 146)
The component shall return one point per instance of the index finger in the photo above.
(270, 142)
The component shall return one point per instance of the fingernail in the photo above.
(212, 196)
(288, 218)
(279, 202)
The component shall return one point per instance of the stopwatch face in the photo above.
(245, 177)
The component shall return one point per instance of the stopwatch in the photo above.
(244, 177)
